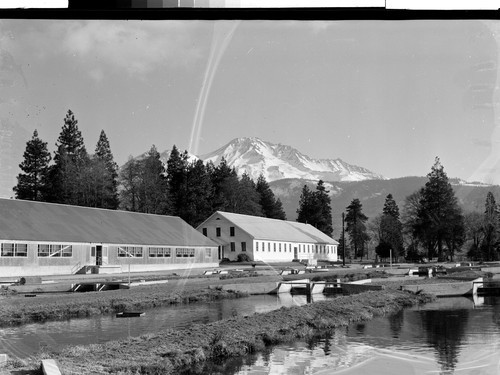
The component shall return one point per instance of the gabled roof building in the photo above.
(268, 240)
(46, 239)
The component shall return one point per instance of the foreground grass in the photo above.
(174, 351)
(19, 310)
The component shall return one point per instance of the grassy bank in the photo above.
(171, 352)
(17, 310)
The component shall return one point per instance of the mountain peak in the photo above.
(276, 161)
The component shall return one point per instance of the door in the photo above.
(98, 255)
(295, 253)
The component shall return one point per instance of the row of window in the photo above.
(218, 232)
(159, 252)
(52, 250)
(318, 249)
(20, 250)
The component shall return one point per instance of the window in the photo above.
(269, 246)
(243, 246)
(205, 232)
(217, 232)
(208, 252)
(233, 246)
(130, 251)
(256, 246)
(279, 246)
(274, 246)
(159, 252)
(231, 231)
(55, 251)
(184, 253)
(14, 250)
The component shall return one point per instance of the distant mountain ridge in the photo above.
(372, 194)
(276, 161)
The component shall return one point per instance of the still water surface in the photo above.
(449, 336)
(26, 340)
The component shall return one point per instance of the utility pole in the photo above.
(343, 240)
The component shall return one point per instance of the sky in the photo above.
(388, 96)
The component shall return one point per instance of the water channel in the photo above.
(449, 336)
(23, 341)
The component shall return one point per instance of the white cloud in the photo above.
(135, 46)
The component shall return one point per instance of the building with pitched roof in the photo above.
(268, 240)
(47, 239)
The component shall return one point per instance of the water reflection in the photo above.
(445, 332)
(449, 336)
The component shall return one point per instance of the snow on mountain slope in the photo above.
(275, 161)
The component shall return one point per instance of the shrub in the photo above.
(243, 258)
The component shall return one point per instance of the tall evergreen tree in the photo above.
(224, 182)
(30, 183)
(69, 179)
(439, 219)
(307, 211)
(153, 188)
(491, 228)
(241, 196)
(391, 228)
(315, 208)
(325, 210)
(356, 228)
(177, 165)
(271, 207)
(104, 172)
(198, 193)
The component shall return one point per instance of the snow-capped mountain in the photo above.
(275, 161)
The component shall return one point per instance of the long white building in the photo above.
(268, 240)
(49, 239)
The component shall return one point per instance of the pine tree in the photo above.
(198, 192)
(356, 228)
(491, 228)
(224, 182)
(271, 207)
(104, 173)
(69, 176)
(153, 188)
(323, 202)
(315, 209)
(30, 184)
(177, 179)
(241, 196)
(439, 219)
(391, 235)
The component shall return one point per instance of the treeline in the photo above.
(432, 225)
(192, 190)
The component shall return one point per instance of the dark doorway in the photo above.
(98, 255)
